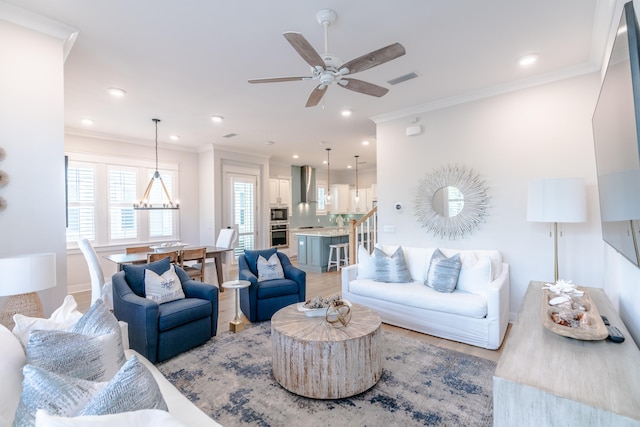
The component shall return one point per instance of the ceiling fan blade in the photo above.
(316, 96)
(374, 58)
(363, 87)
(304, 49)
(278, 79)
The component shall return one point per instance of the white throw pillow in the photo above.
(12, 360)
(366, 264)
(475, 275)
(164, 288)
(63, 318)
(269, 269)
(143, 417)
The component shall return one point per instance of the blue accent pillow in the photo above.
(134, 274)
(391, 268)
(252, 257)
(443, 272)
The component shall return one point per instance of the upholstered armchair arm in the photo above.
(250, 294)
(300, 277)
(141, 315)
(200, 290)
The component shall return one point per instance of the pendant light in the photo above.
(357, 198)
(328, 197)
(144, 203)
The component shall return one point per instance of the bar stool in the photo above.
(339, 249)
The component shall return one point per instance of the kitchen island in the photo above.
(313, 246)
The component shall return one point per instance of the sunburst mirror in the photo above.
(451, 201)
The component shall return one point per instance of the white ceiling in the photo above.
(183, 61)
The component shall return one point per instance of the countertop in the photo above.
(322, 232)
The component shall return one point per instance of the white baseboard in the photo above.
(82, 287)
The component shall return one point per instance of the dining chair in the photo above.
(137, 249)
(100, 288)
(195, 271)
(226, 239)
(174, 256)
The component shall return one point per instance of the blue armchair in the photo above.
(262, 299)
(161, 331)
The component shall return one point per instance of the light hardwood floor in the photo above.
(325, 284)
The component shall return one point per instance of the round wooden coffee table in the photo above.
(313, 359)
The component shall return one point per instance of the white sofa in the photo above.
(12, 359)
(476, 312)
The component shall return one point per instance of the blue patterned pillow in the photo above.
(131, 389)
(391, 269)
(57, 394)
(443, 272)
(75, 355)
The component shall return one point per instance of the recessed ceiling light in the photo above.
(365, 142)
(174, 137)
(527, 60)
(295, 156)
(324, 161)
(115, 91)
(348, 166)
(217, 119)
(87, 122)
(345, 113)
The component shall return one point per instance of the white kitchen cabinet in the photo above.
(340, 195)
(280, 192)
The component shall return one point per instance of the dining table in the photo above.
(141, 258)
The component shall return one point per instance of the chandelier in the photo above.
(144, 203)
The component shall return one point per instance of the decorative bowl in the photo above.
(316, 312)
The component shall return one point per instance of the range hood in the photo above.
(306, 190)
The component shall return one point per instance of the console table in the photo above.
(546, 379)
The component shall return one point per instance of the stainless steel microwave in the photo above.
(279, 214)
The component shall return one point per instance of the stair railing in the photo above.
(363, 232)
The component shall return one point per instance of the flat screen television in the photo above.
(616, 128)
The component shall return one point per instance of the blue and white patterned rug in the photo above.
(230, 379)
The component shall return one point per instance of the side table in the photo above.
(545, 379)
(236, 325)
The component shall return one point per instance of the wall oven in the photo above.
(280, 234)
(279, 214)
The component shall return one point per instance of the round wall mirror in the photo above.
(451, 201)
(448, 201)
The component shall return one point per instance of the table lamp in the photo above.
(20, 278)
(556, 200)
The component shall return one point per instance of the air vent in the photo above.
(230, 135)
(402, 79)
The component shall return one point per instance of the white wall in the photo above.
(32, 134)
(508, 140)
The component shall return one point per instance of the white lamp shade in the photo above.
(557, 200)
(27, 273)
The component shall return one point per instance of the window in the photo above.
(101, 192)
(122, 191)
(81, 184)
(321, 196)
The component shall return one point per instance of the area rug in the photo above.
(230, 379)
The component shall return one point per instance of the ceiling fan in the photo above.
(329, 69)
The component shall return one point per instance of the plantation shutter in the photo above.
(244, 214)
(81, 196)
(122, 193)
(161, 222)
